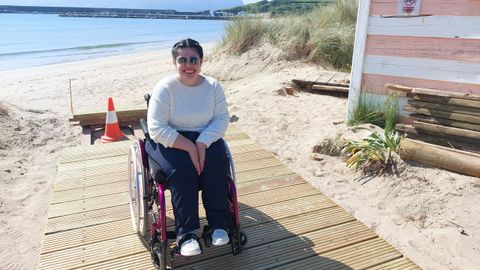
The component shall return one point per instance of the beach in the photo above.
(426, 213)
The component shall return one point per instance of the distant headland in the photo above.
(117, 13)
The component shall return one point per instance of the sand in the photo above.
(428, 214)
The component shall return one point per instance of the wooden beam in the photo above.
(96, 118)
(445, 100)
(330, 88)
(432, 92)
(445, 122)
(397, 87)
(457, 161)
(447, 131)
(438, 138)
(445, 115)
(448, 94)
(445, 108)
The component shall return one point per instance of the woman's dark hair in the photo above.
(187, 43)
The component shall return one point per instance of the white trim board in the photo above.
(358, 56)
(421, 68)
(426, 26)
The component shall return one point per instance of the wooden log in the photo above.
(445, 122)
(330, 88)
(457, 161)
(447, 131)
(445, 115)
(397, 87)
(451, 143)
(445, 108)
(446, 100)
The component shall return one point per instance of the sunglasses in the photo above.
(193, 60)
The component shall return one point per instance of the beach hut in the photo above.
(417, 43)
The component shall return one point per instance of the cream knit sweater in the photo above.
(176, 107)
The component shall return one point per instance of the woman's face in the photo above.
(189, 65)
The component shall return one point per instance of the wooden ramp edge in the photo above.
(289, 223)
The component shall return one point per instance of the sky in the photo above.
(179, 5)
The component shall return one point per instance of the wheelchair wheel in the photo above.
(137, 187)
(159, 257)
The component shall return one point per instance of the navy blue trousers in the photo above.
(185, 183)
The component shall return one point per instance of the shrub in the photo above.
(373, 155)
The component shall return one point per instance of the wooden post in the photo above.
(453, 160)
(71, 98)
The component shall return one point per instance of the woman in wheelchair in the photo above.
(187, 118)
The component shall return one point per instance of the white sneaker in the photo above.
(219, 237)
(190, 247)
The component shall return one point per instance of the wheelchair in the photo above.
(147, 190)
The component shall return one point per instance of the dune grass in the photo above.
(324, 36)
(382, 112)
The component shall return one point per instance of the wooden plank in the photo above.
(397, 87)
(358, 256)
(267, 184)
(90, 204)
(89, 192)
(86, 219)
(438, 7)
(263, 173)
(421, 68)
(374, 83)
(91, 253)
(280, 229)
(444, 107)
(68, 183)
(447, 94)
(330, 88)
(450, 143)
(425, 47)
(446, 100)
(95, 116)
(397, 264)
(87, 235)
(92, 163)
(445, 131)
(429, 26)
(291, 249)
(138, 261)
(445, 122)
(445, 115)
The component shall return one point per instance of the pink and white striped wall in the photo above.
(438, 49)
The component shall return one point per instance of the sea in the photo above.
(28, 40)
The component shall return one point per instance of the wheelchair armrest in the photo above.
(143, 125)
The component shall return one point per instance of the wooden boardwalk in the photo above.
(290, 224)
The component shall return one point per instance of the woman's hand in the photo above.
(194, 156)
(188, 146)
(201, 150)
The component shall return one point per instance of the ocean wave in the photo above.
(79, 48)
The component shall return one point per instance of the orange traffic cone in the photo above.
(112, 128)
